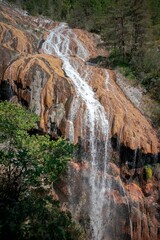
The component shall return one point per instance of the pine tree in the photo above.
(127, 26)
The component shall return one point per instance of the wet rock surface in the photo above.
(132, 206)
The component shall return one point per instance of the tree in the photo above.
(155, 11)
(126, 28)
(29, 164)
(85, 14)
(116, 31)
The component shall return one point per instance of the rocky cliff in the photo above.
(40, 82)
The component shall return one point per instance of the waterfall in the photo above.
(94, 121)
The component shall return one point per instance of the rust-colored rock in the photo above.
(14, 39)
(39, 82)
(41, 92)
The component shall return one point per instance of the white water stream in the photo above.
(94, 122)
(59, 43)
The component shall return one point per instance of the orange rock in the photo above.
(38, 80)
(135, 192)
(148, 188)
(15, 39)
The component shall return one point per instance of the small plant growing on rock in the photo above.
(148, 172)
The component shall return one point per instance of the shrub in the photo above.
(148, 172)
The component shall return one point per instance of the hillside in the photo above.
(61, 74)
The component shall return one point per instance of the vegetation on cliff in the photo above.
(30, 164)
(130, 30)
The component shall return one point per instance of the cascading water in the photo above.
(58, 42)
(94, 124)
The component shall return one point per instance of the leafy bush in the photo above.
(148, 172)
(29, 165)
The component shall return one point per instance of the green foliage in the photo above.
(29, 166)
(33, 150)
(14, 119)
(155, 11)
(37, 216)
(148, 172)
(115, 60)
(127, 72)
(147, 70)
(133, 46)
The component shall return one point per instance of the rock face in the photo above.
(40, 82)
(35, 77)
(132, 204)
